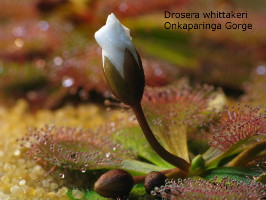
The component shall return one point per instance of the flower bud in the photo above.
(114, 183)
(154, 179)
(121, 63)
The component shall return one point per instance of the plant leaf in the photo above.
(236, 173)
(132, 138)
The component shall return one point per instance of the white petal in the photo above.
(114, 38)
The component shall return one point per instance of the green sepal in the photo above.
(134, 76)
(115, 81)
(128, 89)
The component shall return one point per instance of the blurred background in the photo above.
(49, 56)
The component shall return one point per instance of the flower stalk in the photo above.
(158, 148)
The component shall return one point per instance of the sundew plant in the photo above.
(176, 141)
(121, 114)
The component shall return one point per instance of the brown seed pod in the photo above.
(154, 179)
(114, 183)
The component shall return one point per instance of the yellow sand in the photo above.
(19, 175)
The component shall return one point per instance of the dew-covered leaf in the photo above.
(244, 174)
(236, 125)
(224, 188)
(74, 149)
(174, 111)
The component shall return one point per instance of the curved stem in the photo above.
(158, 148)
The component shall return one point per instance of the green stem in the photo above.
(158, 148)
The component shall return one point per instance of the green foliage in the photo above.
(132, 138)
(138, 192)
(235, 173)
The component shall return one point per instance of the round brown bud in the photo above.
(114, 183)
(154, 179)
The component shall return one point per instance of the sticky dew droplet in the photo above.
(62, 175)
(107, 155)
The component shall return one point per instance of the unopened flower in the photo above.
(124, 73)
(121, 63)
(114, 38)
